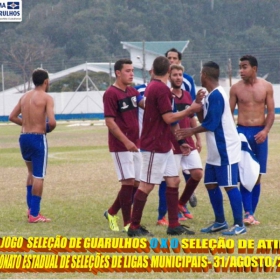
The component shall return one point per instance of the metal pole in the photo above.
(144, 63)
(86, 77)
(3, 88)
(229, 71)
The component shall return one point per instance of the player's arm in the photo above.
(198, 144)
(232, 99)
(14, 116)
(185, 148)
(270, 109)
(116, 131)
(262, 135)
(51, 122)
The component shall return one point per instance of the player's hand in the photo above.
(198, 145)
(131, 147)
(200, 95)
(261, 136)
(185, 149)
(183, 133)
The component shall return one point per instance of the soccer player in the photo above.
(120, 110)
(175, 57)
(192, 162)
(35, 107)
(158, 158)
(223, 152)
(253, 97)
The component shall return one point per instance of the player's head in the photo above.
(176, 75)
(174, 56)
(161, 66)
(40, 77)
(248, 67)
(210, 72)
(124, 71)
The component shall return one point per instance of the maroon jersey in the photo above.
(181, 104)
(156, 133)
(122, 106)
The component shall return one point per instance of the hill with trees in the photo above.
(58, 34)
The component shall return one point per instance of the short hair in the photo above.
(161, 66)
(212, 70)
(119, 64)
(39, 75)
(177, 67)
(174, 50)
(252, 60)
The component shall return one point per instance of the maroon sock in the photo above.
(188, 191)
(116, 206)
(140, 199)
(125, 197)
(133, 193)
(172, 195)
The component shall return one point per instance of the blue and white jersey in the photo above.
(188, 85)
(141, 89)
(223, 142)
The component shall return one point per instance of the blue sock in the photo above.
(246, 199)
(255, 196)
(236, 205)
(186, 176)
(216, 199)
(162, 206)
(28, 195)
(35, 205)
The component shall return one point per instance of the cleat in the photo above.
(162, 222)
(181, 218)
(179, 230)
(112, 221)
(184, 210)
(125, 228)
(235, 230)
(193, 200)
(39, 219)
(215, 227)
(250, 220)
(141, 231)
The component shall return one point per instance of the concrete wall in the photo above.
(82, 105)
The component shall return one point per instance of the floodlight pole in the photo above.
(3, 88)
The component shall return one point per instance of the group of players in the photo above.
(154, 153)
(151, 153)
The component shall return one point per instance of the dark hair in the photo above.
(39, 75)
(174, 50)
(119, 64)
(161, 66)
(252, 60)
(212, 70)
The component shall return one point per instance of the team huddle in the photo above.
(150, 139)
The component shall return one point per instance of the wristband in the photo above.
(181, 141)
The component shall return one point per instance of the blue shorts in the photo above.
(34, 148)
(224, 176)
(260, 150)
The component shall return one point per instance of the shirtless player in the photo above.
(253, 97)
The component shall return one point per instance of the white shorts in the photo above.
(158, 165)
(192, 161)
(127, 164)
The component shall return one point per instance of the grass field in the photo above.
(81, 183)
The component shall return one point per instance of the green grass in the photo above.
(81, 183)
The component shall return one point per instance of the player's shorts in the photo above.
(34, 148)
(192, 161)
(127, 165)
(260, 150)
(224, 176)
(158, 165)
